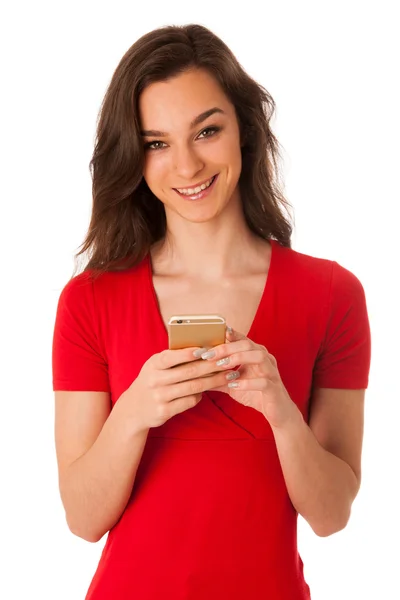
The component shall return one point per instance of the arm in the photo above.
(321, 462)
(98, 453)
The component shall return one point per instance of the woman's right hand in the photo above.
(166, 387)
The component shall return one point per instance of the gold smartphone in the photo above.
(206, 331)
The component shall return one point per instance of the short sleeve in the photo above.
(344, 357)
(77, 360)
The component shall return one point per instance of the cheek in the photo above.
(230, 152)
(155, 171)
(234, 159)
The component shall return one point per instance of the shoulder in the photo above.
(108, 282)
(89, 290)
(77, 291)
(318, 273)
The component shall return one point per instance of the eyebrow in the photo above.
(199, 119)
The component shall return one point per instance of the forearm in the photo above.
(96, 487)
(321, 486)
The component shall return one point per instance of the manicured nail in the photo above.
(232, 375)
(233, 384)
(229, 329)
(223, 361)
(199, 352)
(209, 354)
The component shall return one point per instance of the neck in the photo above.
(220, 247)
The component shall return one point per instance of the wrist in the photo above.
(290, 419)
(127, 417)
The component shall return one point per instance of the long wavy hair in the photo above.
(127, 218)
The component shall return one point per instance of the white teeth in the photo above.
(196, 190)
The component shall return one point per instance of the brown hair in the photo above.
(126, 217)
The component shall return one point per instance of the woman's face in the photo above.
(182, 152)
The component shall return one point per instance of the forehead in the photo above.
(174, 103)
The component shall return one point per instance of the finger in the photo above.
(171, 358)
(180, 405)
(252, 357)
(244, 385)
(233, 335)
(185, 372)
(224, 350)
(249, 357)
(195, 386)
(214, 354)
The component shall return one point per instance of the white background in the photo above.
(332, 70)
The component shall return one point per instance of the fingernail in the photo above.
(199, 352)
(229, 329)
(223, 361)
(209, 354)
(233, 384)
(232, 375)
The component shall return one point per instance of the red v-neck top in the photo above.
(209, 515)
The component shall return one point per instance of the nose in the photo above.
(187, 163)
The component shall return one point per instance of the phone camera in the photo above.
(179, 321)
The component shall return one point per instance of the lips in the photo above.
(199, 195)
(192, 187)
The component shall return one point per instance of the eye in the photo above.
(212, 129)
(153, 145)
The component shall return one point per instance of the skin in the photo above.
(210, 262)
(187, 156)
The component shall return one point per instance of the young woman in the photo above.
(198, 461)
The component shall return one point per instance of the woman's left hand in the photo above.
(260, 385)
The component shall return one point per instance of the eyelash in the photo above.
(214, 129)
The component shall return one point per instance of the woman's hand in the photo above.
(169, 383)
(259, 384)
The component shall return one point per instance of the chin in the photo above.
(202, 216)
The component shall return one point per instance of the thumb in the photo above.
(232, 335)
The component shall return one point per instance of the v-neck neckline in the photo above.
(269, 280)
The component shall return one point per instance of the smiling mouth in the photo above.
(197, 189)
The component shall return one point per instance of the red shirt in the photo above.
(209, 516)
